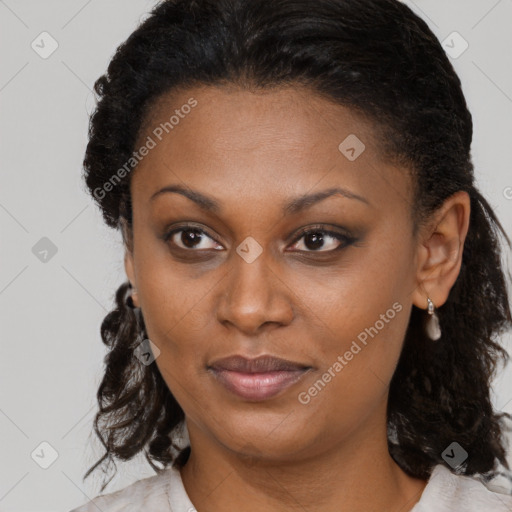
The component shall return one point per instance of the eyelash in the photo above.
(345, 239)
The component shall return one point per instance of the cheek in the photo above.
(359, 317)
(174, 313)
(357, 363)
(171, 295)
(347, 299)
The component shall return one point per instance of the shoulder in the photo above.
(148, 493)
(447, 491)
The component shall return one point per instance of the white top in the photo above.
(444, 492)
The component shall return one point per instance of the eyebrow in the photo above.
(293, 206)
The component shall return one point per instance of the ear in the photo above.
(439, 250)
(129, 265)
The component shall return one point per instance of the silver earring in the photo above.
(432, 326)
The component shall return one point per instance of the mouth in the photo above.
(257, 379)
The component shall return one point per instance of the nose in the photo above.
(254, 296)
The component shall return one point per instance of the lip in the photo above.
(258, 378)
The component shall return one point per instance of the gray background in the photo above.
(51, 352)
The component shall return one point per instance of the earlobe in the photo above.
(129, 267)
(130, 273)
(440, 250)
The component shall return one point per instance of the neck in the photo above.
(355, 476)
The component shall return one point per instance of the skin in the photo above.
(252, 152)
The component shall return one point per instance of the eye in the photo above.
(190, 238)
(316, 239)
(321, 240)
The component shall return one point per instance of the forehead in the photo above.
(232, 118)
(261, 142)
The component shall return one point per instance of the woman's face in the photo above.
(232, 273)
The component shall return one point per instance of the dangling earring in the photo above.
(432, 326)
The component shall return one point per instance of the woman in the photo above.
(314, 287)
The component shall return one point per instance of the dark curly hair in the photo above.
(379, 59)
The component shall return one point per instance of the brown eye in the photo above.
(321, 240)
(191, 238)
